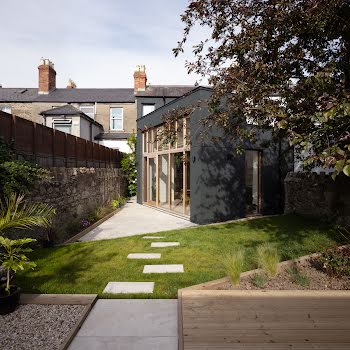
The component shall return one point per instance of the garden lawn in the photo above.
(88, 267)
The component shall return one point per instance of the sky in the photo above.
(96, 43)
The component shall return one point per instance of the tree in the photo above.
(283, 64)
(128, 164)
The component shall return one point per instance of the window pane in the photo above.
(67, 128)
(152, 180)
(180, 133)
(6, 109)
(177, 182)
(252, 173)
(116, 124)
(117, 113)
(88, 110)
(163, 161)
(147, 109)
(116, 118)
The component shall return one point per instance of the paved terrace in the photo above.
(135, 219)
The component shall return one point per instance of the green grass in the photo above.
(88, 267)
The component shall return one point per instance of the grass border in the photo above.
(88, 300)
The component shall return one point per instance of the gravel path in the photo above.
(33, 327)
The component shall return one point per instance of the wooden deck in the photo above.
(264, 320)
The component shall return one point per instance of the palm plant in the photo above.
(15, 213)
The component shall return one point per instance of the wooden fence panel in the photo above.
(51, 147)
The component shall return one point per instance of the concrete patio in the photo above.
(135, 219)
(132, 324)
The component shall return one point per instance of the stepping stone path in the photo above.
(171, 268)
(144, 256)
(129, 287)
(145, 287)
(164, 244)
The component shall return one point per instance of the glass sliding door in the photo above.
(177, 182)
(163, 180)
(152, 177)
(187, 184)
(252, 182)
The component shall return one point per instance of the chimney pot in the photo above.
(71, 84)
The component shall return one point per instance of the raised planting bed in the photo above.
(46, 322)
(305, 306)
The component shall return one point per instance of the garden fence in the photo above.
(53, 148)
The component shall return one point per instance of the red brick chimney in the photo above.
(140, 78)
(47, 76)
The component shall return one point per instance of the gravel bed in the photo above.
(33, 327)
(318, 280)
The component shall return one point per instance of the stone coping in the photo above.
(88, 300)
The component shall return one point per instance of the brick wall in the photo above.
(75, 192)
(318, 195)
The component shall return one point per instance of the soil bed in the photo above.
(308, 276)
(33, 327)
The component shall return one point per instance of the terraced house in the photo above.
(106, 116)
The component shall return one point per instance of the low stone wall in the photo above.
(318, 195)
(75, 192)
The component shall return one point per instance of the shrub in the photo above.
(17, 176)
(268, 259)
(118, 202)
(234, 265)
(128, 164)
(259, 280)
(336, 261)
(298, 277)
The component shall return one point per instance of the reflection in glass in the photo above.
(188, 192)
(252, 182)
(163, 161)
(177, 182)
(152, 180)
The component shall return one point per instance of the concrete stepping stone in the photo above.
(164, 244)
(129, 287)
(171, 268)
(144, 256)
(152, 237)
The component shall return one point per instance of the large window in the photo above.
(166, 169)
(63, 125)
(116, 115)
(6, 109)
(252, 181)
(147, 108)
(89, 110)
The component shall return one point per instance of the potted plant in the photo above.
(17, 214)
(12, 259)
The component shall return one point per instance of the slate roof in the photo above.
(68, 95)
(165, 90)
(64, 110)
(113, 136)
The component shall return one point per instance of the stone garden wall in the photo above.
(75, 192)
(318, 195)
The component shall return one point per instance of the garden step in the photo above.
(129, 287)
(164, 244)
(144, 256)
(171, 268)
(152, 237)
